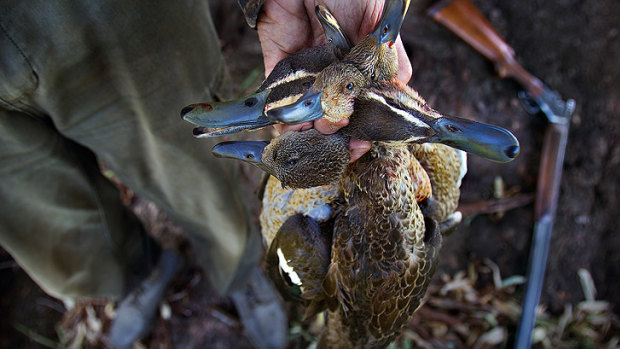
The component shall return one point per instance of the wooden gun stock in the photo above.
(464, 19)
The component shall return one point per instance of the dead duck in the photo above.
(383, 249)
(288, 81)
(389, 111)
(292, 154)
(294, 75)
(308, 166)
(297, 213)
(446, 168)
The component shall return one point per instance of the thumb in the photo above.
(404, 64)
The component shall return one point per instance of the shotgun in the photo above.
(465, 20)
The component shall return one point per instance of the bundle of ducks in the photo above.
(359, 240)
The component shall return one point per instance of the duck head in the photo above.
(388, 27)
(298, 159)
(331, 96)
(289, 80)
(375, 56)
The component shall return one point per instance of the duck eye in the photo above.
(373, 75)
(385, 30)
(350, 86)
(292, 162)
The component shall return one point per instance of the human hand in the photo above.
(287, 26)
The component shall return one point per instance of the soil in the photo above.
(574, 46)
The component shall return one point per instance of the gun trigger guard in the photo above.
(528, 103)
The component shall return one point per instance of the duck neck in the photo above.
(387, 150)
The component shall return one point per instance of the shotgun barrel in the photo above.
(466, 21)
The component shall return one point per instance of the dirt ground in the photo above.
(574, 46)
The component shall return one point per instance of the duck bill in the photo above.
(248, 151)
(388, 27)
(490, 142)
(307, 108)
(333, 31)
(218, 118)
